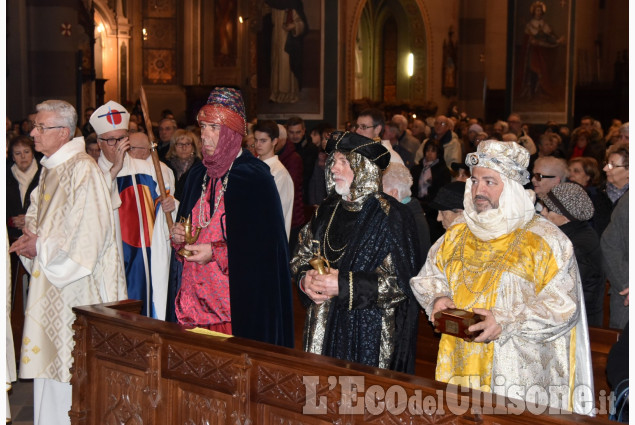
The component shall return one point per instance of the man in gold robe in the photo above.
(70, 250)
(517, 270)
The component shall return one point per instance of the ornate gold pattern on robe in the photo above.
(534, 294)
(77, 260)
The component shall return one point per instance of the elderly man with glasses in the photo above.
(144, 239)
(69, 249)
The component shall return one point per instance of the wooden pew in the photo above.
(132, 369)
(602, 339)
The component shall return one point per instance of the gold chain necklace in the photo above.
(497, 268)
(201, 212)
(326, 240)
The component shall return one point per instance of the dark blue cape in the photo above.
(258, 251)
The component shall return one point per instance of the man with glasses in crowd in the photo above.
(167, 127)
(69, 248)
(548, 172)
(370, 123)
(143, 238)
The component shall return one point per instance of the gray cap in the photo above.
(569, 200)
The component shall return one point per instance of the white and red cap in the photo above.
(109, 117)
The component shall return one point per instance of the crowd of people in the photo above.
(406, 213)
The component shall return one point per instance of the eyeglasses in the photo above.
(40, 128)
(442, 124)
(214, 127)
(364, 127)
(610, 166)
(113, 140)
(182, 145)
(140, 148)
(539, 176)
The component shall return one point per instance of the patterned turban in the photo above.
(225, 106)
(507, 158)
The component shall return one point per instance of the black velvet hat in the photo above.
(449, 197)
(353, 142)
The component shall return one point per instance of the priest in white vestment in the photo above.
(70, 250)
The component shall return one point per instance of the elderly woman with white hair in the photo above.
(397, 181)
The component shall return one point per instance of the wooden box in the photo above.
(456, 322)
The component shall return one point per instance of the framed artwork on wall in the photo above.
(290, 60)
(541, 60)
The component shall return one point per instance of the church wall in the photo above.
(472, 25)
(17, 85)
(495, 14)
(442, 14)
(41, 60)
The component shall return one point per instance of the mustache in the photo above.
(482, 198)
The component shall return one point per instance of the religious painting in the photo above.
(225, 18)
(448, 74)
(290, 59)
(541, 78)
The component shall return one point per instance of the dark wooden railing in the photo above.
(132, 369)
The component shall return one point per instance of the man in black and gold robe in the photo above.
(362, 309)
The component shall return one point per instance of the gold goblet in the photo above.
(318, 262)
(189, 237)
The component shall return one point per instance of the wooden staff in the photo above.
(154, 153)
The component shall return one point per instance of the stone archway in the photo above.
(419, 41)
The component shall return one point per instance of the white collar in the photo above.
(64, 153)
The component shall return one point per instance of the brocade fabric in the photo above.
(77, 261)
(376, 324)
(535, 294)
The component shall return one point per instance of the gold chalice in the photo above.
(318, 262)
(189, 237)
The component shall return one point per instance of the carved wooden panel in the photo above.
(144, 371)
(196, 408)
(187, 363)
(270, 415)
(280, 385)
(123, 397)
(120, 346)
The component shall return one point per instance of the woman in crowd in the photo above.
(586, 172)
(184, 152)
(22, 178)
(428, 176)
(616, 169)
(584, 144)
(569, 207)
